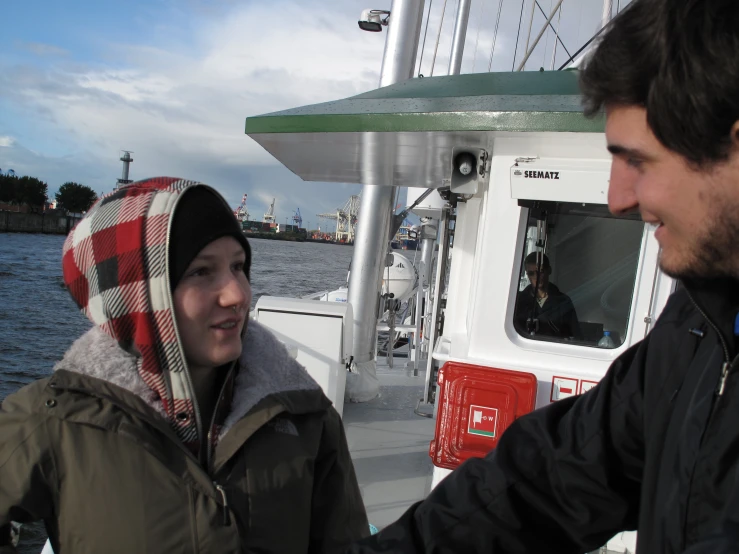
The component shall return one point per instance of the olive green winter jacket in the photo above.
(89, 451)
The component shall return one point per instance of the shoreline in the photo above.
(291, 237)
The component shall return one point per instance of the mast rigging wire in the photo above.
(438, 37)
(423, 46)
(538, 37)
(477, 39)
(583, 47)
(495, 37)
(556, 32)
(546, 44)
(515, 50)
(531, 25)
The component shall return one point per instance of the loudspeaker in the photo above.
(468, 169)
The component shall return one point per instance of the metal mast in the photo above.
(607, 11)
(430, 228)
(460, 34)
(370, 246)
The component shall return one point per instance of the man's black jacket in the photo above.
(653, 447)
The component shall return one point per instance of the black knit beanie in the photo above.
(201, 216)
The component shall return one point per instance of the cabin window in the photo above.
(578, 272)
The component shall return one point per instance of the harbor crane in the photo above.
(297, 219)
(346, 219)
(269, 217)
(241, 213)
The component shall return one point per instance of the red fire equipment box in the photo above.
(476, 404)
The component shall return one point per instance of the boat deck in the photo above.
(389, 444)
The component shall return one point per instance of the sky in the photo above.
(173, 80)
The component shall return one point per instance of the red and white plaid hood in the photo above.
(115, 265)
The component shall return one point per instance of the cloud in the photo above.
(180, 103)
(178, 97)
(6, 141)
(41, 49)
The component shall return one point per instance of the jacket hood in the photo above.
(265, 369)
(116, 267)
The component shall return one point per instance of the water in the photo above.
(39, 320)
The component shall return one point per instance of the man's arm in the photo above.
(564, 479)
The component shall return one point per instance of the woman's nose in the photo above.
(233, 292)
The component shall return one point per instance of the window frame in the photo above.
(642, 297)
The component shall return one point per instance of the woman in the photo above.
(174, 424)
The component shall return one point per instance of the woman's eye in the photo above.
(199, 272)
(238, 266)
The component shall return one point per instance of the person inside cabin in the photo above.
(541, 308)
(175, 424)
(652, 447)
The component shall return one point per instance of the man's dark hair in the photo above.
(531, 260)
(679, 59)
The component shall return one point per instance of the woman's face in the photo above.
(211, 304)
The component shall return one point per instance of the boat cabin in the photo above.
(537, 287)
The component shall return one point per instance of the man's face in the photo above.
(696, 211)
(543, 276)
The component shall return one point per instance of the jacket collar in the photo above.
(266, 371)
(719, 300)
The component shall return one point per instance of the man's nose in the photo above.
(621, 191)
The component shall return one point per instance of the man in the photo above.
(541, 308)
(655, 446)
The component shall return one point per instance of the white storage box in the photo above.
(322, 334)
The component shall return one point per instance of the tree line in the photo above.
(72, 197)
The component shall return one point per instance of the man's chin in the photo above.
(683, 271)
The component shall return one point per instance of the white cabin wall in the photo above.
(488, 242)
(462, 270)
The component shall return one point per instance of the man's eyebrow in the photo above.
(619, 150)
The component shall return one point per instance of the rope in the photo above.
(495, 37)
(438, 37)
(477, 39)
(515, 51)
(423, 47)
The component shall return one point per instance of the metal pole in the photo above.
(428, 240)
(607, 11)
(541, 33)
(460, 33)
(429, 229)
(531, 24)
(430, 329)
(398, 62)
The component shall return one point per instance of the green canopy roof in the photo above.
(403, 134)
